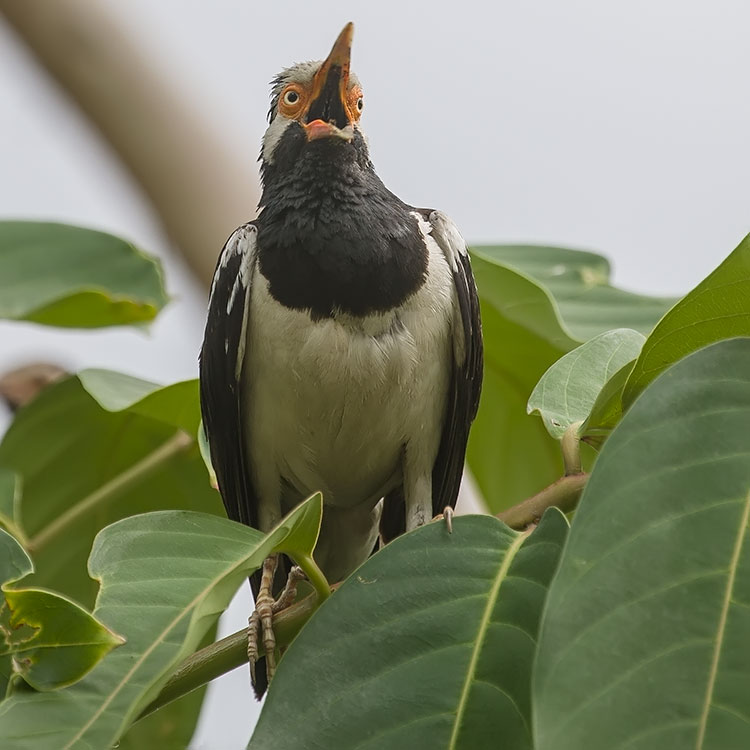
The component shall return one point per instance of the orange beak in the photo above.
(329, 112)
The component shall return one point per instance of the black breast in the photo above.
(330, 235)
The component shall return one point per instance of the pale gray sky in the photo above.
(620, 127)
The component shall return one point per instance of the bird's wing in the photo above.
(466, 379)
(221, 362)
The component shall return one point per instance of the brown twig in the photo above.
(22, 385)
(562, 494)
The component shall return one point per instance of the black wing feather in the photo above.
(223, 347)
(466, 380)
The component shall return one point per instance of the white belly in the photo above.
(333, 403)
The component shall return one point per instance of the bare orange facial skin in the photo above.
(294, 101)
(353, 103)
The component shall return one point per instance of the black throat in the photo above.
(331, 237)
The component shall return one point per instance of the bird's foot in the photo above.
(447, 516)
(260, 622)
(289, 593)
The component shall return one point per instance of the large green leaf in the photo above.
(165, 578)
(537, 304)
(45, 638)
(718, 308)
(644, 637)
(63, 275)
(577, 286)
(568, 390)
(428, 645)
(90, 466)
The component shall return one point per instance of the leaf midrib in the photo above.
(127, 478)
(484, 623)
(187, 610)
(721, 628)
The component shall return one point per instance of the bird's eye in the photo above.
(291, 97)
(360, 103)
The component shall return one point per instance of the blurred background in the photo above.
(616, 127)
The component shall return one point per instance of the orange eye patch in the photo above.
(292, 100)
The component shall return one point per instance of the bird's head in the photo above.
(315, 106)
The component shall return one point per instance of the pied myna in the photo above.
(343, 348)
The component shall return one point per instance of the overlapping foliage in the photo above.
(467, 640)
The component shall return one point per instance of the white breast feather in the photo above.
(333, 402)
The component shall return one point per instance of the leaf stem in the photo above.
(314, 575)
(570, 444)
(132, 475)
(562, 494)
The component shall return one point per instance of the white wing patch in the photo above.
(246, 244)
(442, 233)
(243, 244)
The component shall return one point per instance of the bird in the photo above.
(343, 345)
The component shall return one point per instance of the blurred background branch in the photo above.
(198, 186)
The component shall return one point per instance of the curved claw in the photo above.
(447, 516)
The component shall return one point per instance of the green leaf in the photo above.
(577, 284)
(177, 404)
(568, 390)
(518, 297)
(644, 636)
(429, 644)
(90, 467)
(14, 561)
(718, 308)
(537, 304)
(14, 564)
(165, 578)
(45, 638)
(63, 275)
(607, 410)
(169, 728)
(53, 642)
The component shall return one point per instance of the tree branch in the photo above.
(228, 653)
(562, 494)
